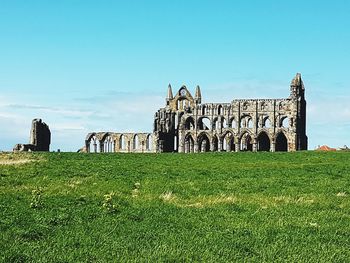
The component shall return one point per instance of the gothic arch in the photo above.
(203, 142)
(232, 123)
(204, 123)
(266, 122)
(246, 142)
(228, 142)
(263, 142)
(220, 110)
(189, 143)
(281, 142)
(284, 122)
(122, 142)
(136, 142)
(149, 142)
(189, 123)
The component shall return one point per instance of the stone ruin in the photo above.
(187, 125)
(40, 138)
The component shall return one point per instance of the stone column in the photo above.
(228, 146)
(219, 145)
(87, 146)
(273, 146)
(196, 147)
(95, 146)
(237, 146)
(255, 147)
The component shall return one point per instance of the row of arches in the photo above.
(246, 121)
(230, 143)
(121, 143)
(222, 109)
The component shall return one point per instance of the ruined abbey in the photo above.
(187, 125)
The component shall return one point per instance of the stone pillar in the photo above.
(211, 148)
(196, 148)
(101, 146)
(237, 147)
(255, 147)
(273, 146)
(228, 146)
(87, 146)
(95, 147)
(203, 145)
(187, 146)
(219, 145)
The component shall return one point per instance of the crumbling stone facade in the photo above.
(119, 142)
(187, 125)
(40, 138)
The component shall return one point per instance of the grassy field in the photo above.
(214, 207)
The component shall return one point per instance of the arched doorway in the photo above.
(136, 143)
(281, 143)
(189, 144)
(264, 143)
(203, 143)
(246, 142)
(228, 143)
(94, 144)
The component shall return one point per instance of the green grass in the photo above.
(215, 207)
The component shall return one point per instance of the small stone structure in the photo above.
(40, 138)
(187, 125)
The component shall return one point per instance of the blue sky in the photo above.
(103, 65)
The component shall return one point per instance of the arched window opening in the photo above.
(246, 122)
(281, 143)
(204, 110)
(122, 143)
(250, 123)
(243, 123)
(136, 143)
(267, 123)
(189, 124)
(189, 144)
(216, 124)
(284, 122)
(204, 123)
(220, 110)
(246, 142)
(224, 123)
(203, 143)
(232, 123)
(263, 142)
(149, 142)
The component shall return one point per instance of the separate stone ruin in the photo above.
(187, 125)
(40, 138)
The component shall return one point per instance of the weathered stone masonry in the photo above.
(186, 125)
(40, 138)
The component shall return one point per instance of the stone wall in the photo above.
(40, 138)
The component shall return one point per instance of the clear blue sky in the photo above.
(105, 65)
